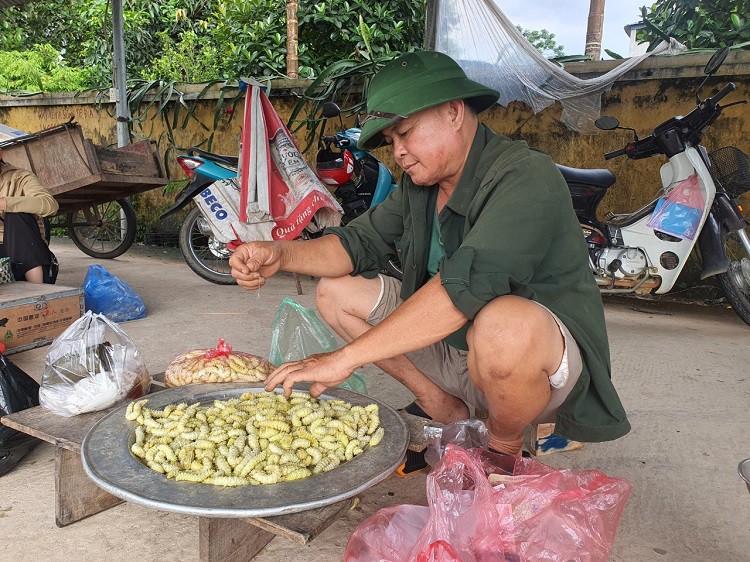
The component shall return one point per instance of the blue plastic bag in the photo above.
(680, 212)
(111, 296)
(299, 333)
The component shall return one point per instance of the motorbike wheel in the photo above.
(735, 283)
(206, 256)
(100, 230)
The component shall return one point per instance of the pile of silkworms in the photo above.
(258, 438)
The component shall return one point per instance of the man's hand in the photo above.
(323, 370)
(255, 262)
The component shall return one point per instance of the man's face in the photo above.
(424, 145)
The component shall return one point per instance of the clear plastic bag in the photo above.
(533, 512)
(299, 333)
(469, 434)
(218, 364)
(679, 212)
(6, 273)
(91, 366)
(109, 295)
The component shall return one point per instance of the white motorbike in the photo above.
(645, 251)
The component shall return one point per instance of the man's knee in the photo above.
(328, 296)
(507, 331)
(351, 295)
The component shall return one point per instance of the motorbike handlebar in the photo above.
(688, 129)
(728, 89)
(615, 154)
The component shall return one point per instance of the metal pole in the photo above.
(121, 100)
(118, 67)
(431, 15)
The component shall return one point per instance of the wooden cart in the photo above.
(90, 183)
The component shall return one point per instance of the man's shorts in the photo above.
(446, 366)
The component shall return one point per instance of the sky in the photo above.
(568, 19)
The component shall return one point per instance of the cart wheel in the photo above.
(102, 231)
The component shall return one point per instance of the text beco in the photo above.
(213, 205)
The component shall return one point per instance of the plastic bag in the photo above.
(535, 513)
(111, 296)
(218, 364)
(91, 366)
(6, 273)
(299, 333)
(679, 212)
(468, 434)
(18, 391)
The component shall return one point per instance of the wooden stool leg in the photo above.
(76, 496)
(221, 540)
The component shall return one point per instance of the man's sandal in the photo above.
(414, 460)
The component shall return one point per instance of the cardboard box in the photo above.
(33, 315)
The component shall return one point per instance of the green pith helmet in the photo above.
(414, 82)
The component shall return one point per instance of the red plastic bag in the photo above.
(537, 513)
(679, 213)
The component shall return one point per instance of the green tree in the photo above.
(251, 34)
(543, 41)
(708, 24)
(81, 30)
(248, 37)
(39, 69)
(190, 60)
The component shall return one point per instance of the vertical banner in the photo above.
(275, 181)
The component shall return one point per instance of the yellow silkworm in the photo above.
(264, 477)
(377, 437)
(297, 474)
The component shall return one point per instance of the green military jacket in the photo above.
(508, 229)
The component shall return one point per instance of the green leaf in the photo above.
(663, 36)
(736, 21)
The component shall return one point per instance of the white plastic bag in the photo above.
(91, 366)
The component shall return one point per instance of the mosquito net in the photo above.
(493, 52)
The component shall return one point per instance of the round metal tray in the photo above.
(109, 463)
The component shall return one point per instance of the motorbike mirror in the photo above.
(331, 110)
(607, 123)
(715, 62)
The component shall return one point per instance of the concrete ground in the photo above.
(682, 372)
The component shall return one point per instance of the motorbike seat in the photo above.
(598, 178)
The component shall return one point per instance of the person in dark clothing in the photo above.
(23, 203)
